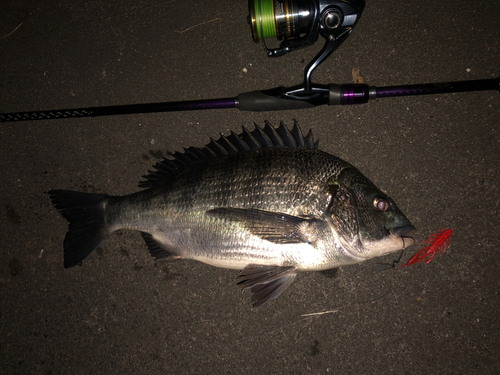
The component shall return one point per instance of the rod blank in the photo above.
(189, 105)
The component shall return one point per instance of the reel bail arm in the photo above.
(331, 44)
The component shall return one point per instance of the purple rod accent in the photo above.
(438, 88)
(355, 94)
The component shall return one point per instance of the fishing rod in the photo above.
(277, 99)
(297, 24)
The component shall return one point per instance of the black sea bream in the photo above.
(266, 202)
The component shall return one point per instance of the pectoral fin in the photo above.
(274, 227)
(265, 282)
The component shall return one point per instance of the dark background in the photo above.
(437, 156)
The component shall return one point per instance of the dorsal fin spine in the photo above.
(273, 135)
(217, 149)
(238, 142)
(227, 145)
(286, 136)
(250, 139)
(297, 135)
(263, 139)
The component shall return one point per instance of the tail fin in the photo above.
(87, 227)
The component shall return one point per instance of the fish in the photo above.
(266, 202)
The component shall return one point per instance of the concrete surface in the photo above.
(437, 156)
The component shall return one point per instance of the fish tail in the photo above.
(87, 225)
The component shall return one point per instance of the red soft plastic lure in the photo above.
(438, 241)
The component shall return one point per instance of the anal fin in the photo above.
(157, 250)
(265, 282)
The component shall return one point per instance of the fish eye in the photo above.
(380, 204)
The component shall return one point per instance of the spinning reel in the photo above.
(298, 23)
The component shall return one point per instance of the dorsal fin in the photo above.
(257, 139)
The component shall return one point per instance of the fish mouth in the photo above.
(395, 240)
(400, 233)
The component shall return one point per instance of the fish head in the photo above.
(367, 222)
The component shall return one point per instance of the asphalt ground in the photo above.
(120, 313)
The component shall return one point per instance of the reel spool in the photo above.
(299, 22)
(280, 18)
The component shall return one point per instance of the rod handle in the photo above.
(258, 101)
